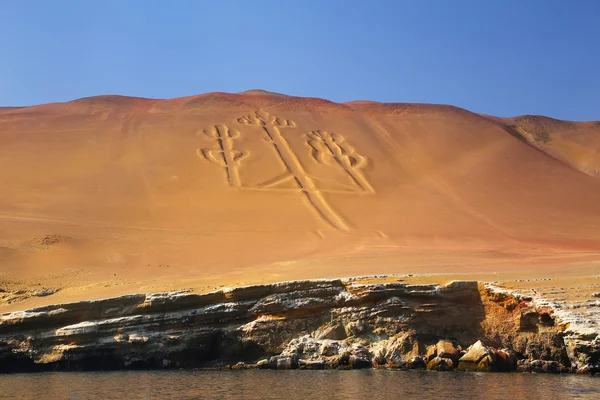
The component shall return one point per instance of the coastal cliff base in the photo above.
(315, 324)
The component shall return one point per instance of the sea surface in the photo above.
(286, 385)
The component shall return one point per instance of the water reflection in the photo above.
(380, 384)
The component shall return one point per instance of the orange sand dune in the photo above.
(232, 188)
(576, 144)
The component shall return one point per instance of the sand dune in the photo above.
(229, 188)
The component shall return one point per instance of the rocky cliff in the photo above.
(351, 323)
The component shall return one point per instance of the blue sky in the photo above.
(505, 58)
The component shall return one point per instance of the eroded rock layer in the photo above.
(302, 324)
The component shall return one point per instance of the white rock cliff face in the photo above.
(304, 324)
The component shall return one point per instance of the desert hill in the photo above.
(227, 188)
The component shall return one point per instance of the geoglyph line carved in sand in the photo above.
(272, 125)
(223, 154)
(327, 148)
(332, 149)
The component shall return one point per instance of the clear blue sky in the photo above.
(504, 57)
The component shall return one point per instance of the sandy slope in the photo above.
(111, 194)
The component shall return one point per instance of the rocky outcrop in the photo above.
(304, 324)
(478, 358)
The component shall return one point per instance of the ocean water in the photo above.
(287, 385)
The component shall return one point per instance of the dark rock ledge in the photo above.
(314, 324)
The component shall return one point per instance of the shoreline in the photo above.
(361, 322)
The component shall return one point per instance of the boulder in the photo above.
(446, 349)
(440, 364)
(289, 362)
(311, 364)
(239, 365)
(358, 362)
(360, 350)
(329, 349)
(309, 348)
(588, 369)
(486, 364)
(479, 357)
(284, 362)
(431, 353)
(263, 364)
(335, 332)
(273, 362)
(396, 351)
(416, 362)
(443, 349)
(344, 357)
